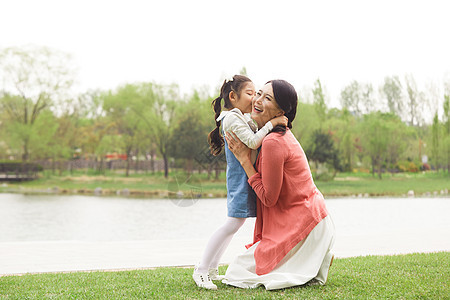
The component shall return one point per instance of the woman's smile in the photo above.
(264, 106)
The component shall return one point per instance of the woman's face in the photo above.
(264, 106)
(244, 102)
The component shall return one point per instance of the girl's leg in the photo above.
(218, 243)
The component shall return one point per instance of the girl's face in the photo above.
(244, 101)
(264, 106)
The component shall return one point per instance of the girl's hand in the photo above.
(281, 120)
(239, 149)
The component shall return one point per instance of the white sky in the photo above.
(200, 42)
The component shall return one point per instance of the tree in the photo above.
(121, 107)
(157, 111)
(243, 71)
(358, 98)
(415, 101)
(33, 80)
(374, 139)
(341, 124)
(319, 101)
(446, 140)
(324, 151)
(188, 137)
(435, 141)
(397, 139)
(392, 90)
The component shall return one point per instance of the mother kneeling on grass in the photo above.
(293, 232)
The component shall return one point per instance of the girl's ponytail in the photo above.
(235, 85)
(215, 139)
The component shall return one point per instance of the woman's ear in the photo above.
(280, 113)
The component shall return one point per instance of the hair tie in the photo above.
(227, 80)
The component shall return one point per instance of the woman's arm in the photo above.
(268, 187)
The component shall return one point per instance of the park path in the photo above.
(67, 256)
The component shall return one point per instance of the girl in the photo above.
(237, 94)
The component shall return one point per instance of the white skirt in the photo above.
(309, 259)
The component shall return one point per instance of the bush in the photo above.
(407, 166)
(425, 167)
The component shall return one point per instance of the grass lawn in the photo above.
(347, 184)
(411, 276)
(155, 185)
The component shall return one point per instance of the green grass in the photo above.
(155, 185)
(347, 184)
(411, 276)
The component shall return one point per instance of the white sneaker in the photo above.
(203, 280)
(214, 274)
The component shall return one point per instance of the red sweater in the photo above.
(289, 205)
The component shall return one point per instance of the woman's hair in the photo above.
(236, 84)
(286, 98)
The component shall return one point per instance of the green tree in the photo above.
(435, 147)
(33, 79)
(320, 104)
(374, 139)
(397, 139)
(446, 130)
(323, 151)
(188, 137)
(305, 123)
(415, 101)
(158, 110)
(121, 107)
(392, 90)
(358, 98)
(340, 124)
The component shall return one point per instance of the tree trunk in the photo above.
(53, 165)
(60, 165)
(189, 163)
(25, 151)
(136, 166)
(101, 168)
(127, 172)
(128, 152)
(210, 167)
(373, 167)
(166, 165)
(217, 171)
(152, 161)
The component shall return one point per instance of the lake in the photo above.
(364, 225)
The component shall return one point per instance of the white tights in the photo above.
(218, 243)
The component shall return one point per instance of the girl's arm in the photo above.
(235, 123)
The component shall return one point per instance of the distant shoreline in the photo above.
(198, 186)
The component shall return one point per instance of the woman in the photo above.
(293, 232)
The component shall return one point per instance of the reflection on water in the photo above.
(88, 218)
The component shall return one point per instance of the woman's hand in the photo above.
(239, 149)
(241, 152)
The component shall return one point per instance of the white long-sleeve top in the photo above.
(244, 127)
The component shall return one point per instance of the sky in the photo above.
(198, 43)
